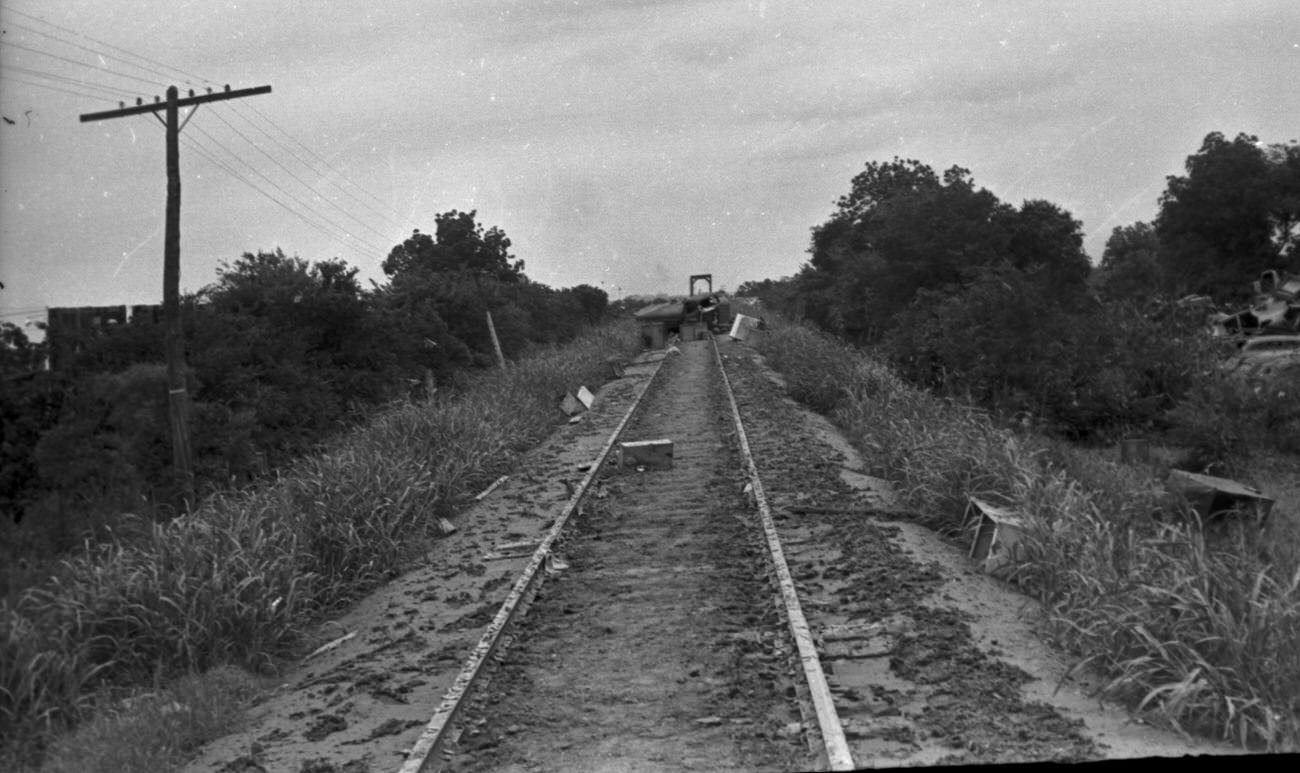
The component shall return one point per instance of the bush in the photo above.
(1223, 419)
(1007, 342)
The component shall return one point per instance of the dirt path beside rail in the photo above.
(931, 661)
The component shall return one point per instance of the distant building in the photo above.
(68, 327)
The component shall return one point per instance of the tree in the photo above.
(902, 229)
(1233, 215)
(1044, 237)
(1129, 264)
(1284, 207)
(592, 300)
(459, 244)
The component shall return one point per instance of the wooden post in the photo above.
(177, 396)
(495, 343)
(174, 339)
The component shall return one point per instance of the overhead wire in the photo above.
(40, 85)
(328, 165)
(152, 68)
(157, 64)
(21, 47)
(277, 186)
(87, 49)
(294, 176)
(337, 174)
(116, 94)
(106, 45)
(319, 227)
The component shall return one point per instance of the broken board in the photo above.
(650, 454)
(1213, 496)
(577, 402)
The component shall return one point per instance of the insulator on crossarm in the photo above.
(121, 105)
(139, 101)
(191, 92)
(227, 87)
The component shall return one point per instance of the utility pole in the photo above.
(177, 395)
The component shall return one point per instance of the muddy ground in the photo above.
(930, 661)
(654, 650)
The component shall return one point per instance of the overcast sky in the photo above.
(620, 143)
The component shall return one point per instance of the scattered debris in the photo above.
(331, 645)
(996, 533)
(512, 550)
(1275, 309)
(491, 488)
(648, 454)
(1212, 497)
(746, 328)
(445, 526)
(577, 402)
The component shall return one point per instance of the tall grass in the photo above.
(1202, 630)
(239, 580)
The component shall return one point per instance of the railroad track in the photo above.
(671, 638)
(752, 608)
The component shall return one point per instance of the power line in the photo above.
(327, 164)
(87, 49)
(296, 177)
(116, 94)
(216, 161)
(39, 52)
(223, 166)
(400, 223)
(299, 201)
(107, 45)
(327, 229)
(39, 85)
(337, 173)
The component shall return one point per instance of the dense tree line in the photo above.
(1000, 304)
(281, 352)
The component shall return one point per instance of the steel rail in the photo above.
(828, 720)
(422, 757)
